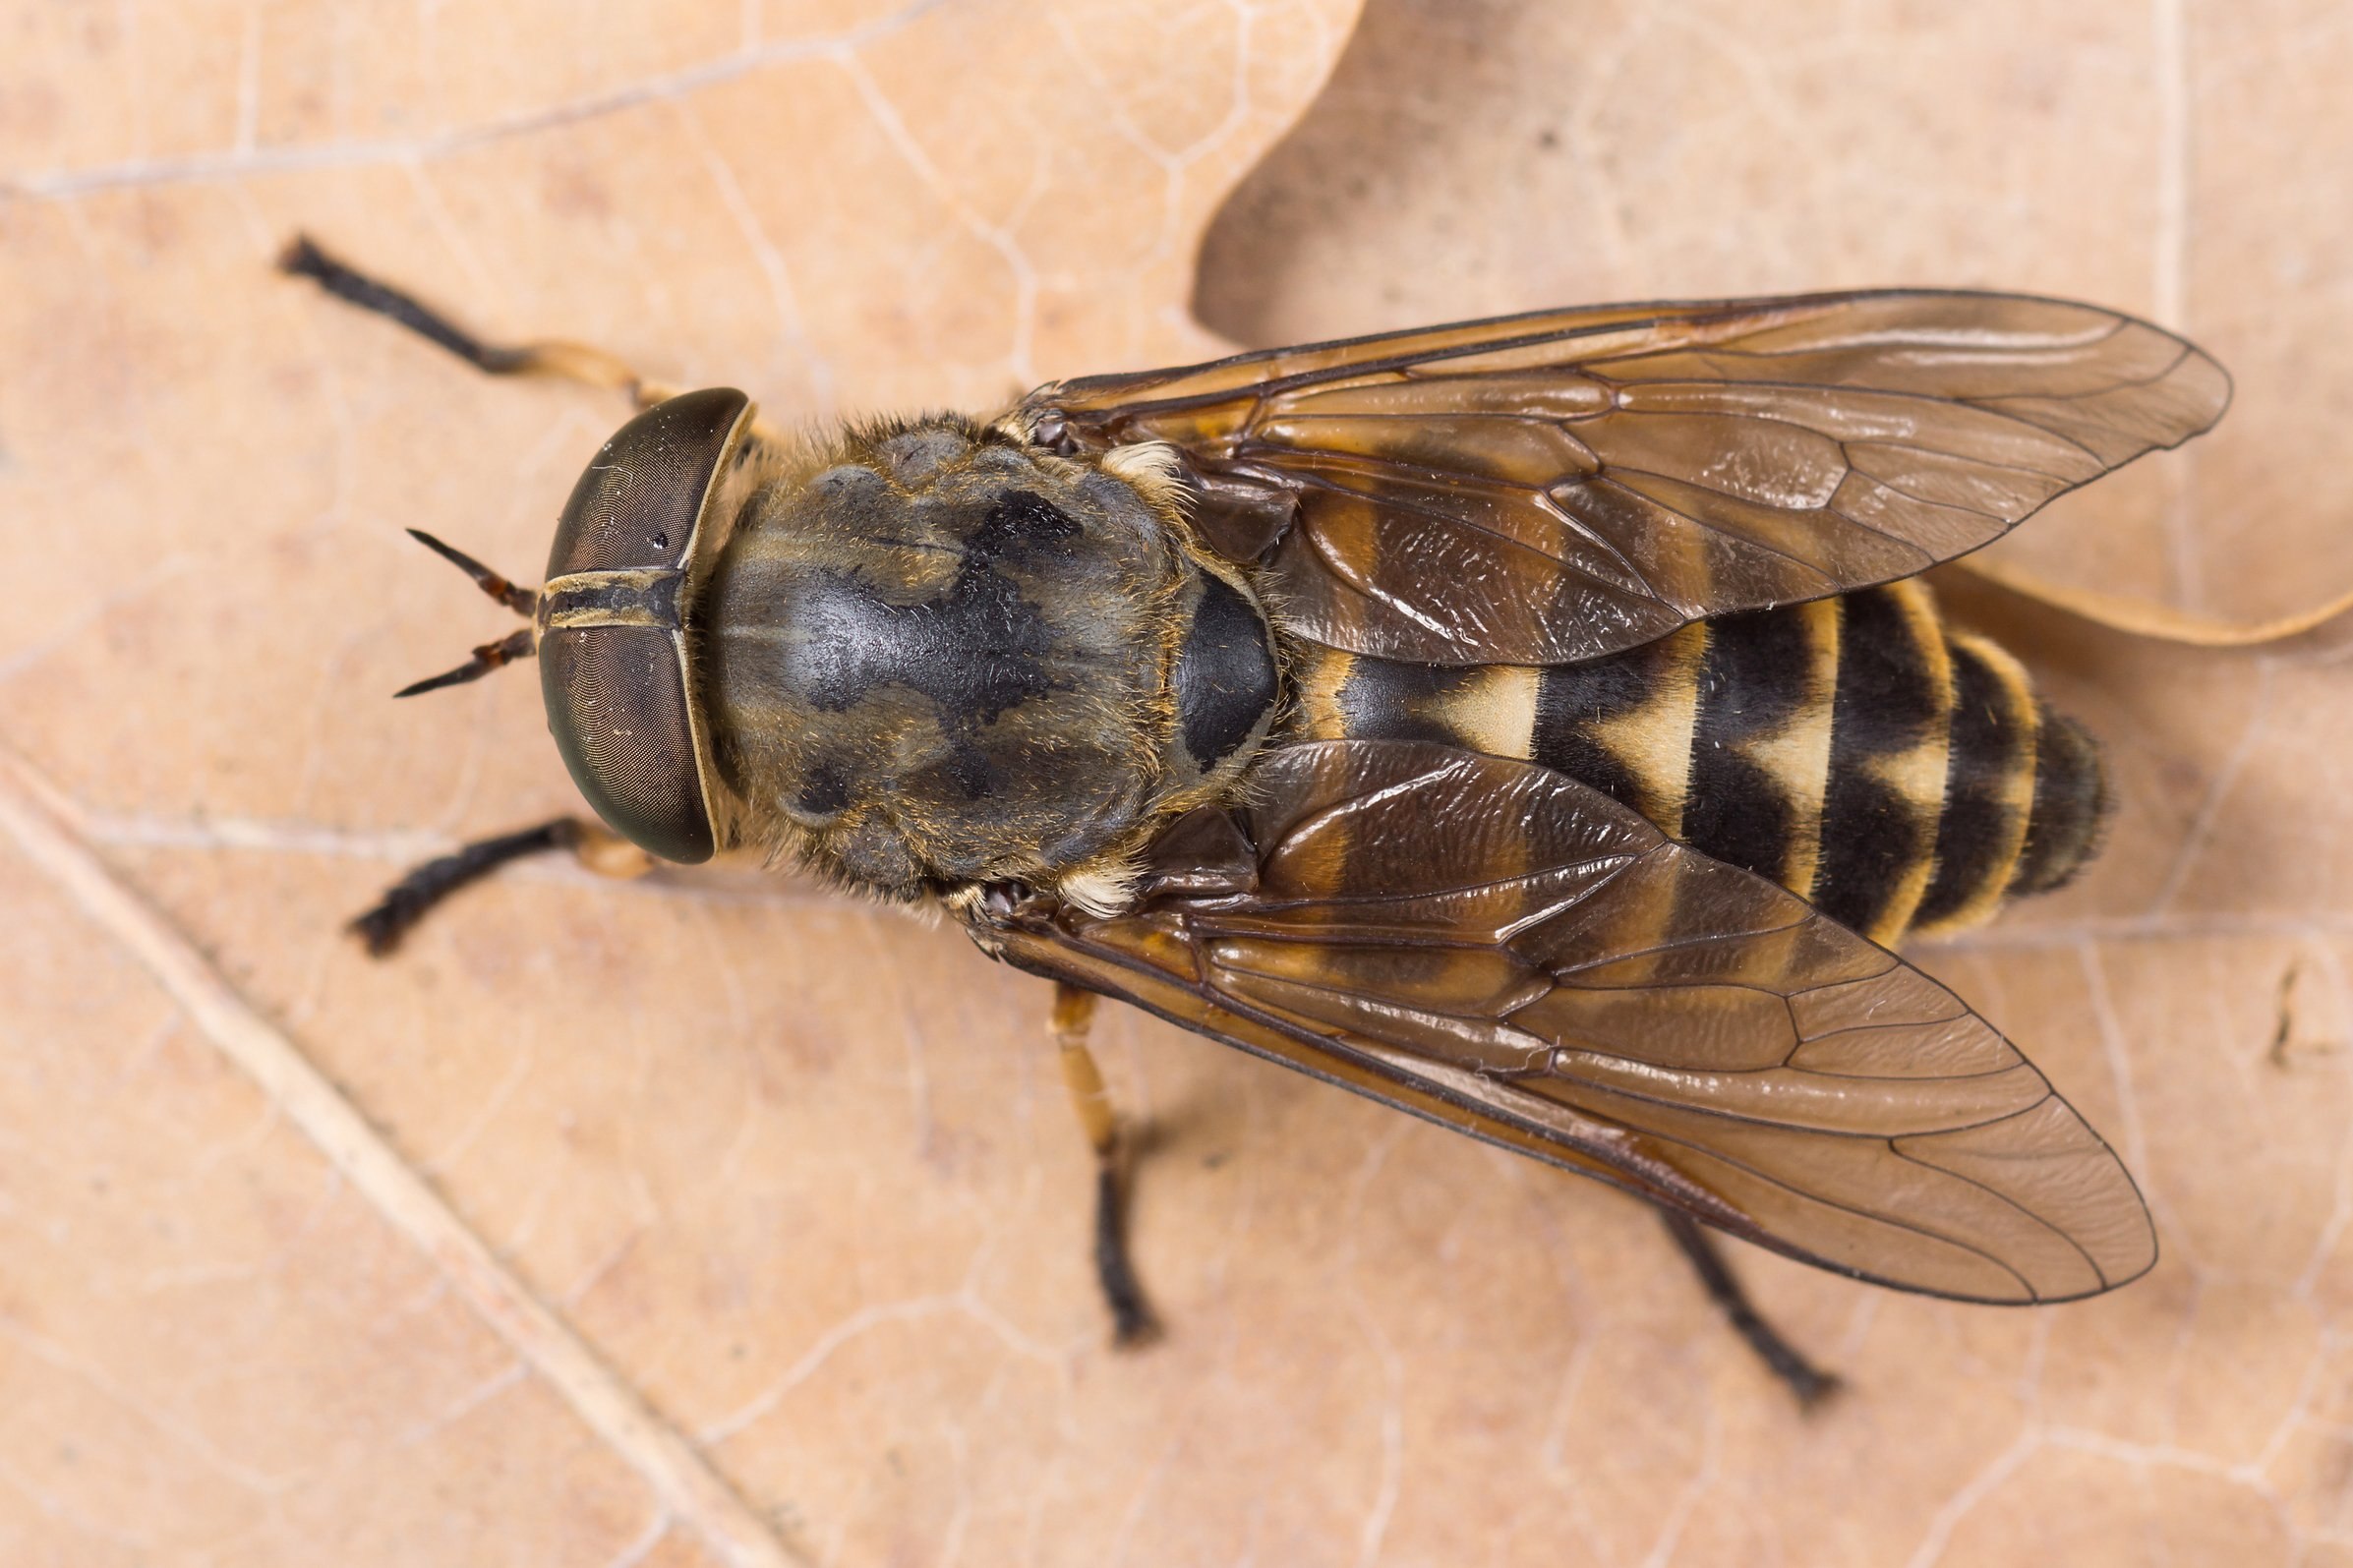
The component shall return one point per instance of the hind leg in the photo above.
(1808, 1382)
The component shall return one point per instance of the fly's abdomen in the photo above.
(1901, 776)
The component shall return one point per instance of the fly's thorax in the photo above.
(1224, 682)
(933, 656)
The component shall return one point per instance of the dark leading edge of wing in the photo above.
(1495, 947)
(1549, 487)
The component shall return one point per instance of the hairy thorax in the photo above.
(936, 657)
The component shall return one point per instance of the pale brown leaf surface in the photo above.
(801, 1170)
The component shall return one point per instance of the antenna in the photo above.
(522, 601)
(489, 656)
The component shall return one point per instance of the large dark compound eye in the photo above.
(613, 639)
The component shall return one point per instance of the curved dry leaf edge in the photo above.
(2149, 618)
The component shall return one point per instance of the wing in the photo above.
(1548, 488)
(1497, 948)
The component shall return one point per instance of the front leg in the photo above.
(383, 927)
(574, 362)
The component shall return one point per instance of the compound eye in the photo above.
(616, 706)
(613, 639)
(638, 504)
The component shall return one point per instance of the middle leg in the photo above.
(1130, 1317)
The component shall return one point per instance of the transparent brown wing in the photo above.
(1546, 487)
(1499, 948)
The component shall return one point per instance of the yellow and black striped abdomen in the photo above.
(1902, 776)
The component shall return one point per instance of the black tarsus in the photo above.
(1132, 1320)
(409, 900)
(303, 258)
(1808, 1382)
(487, 658)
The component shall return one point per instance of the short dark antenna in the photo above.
(522, 601)
(489, 656)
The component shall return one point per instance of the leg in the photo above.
(1130, 1319)
(407, 901)
(1809, 1384)
(574, 361)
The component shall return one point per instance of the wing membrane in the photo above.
(1495, 946)
(1548, 488)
